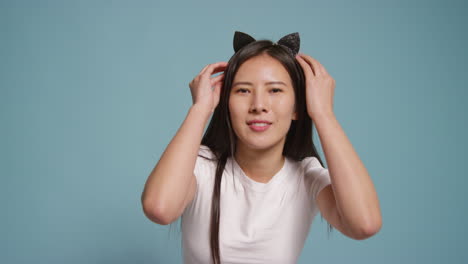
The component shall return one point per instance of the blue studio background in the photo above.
(93, 91)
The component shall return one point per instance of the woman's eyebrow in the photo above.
(249, 83)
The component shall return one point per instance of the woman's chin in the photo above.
(260, 145)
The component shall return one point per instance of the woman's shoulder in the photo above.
(205, 152)
(205, 165)
(313, 169)
(310, 163)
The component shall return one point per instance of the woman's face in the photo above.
(261, 103)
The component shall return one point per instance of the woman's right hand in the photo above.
(203, 94)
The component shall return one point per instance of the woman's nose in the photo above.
(259, 103)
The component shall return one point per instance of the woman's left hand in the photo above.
(319, 87)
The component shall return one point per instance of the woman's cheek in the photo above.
(285, 105)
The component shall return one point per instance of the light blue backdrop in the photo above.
(93, 91)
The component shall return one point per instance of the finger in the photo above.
(214, 68)
(217, 78)
(318, 68)
(320, 65)
(311, 65)
(308, 71)
(217, 68)
(217, 88)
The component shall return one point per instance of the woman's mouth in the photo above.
(259, 126)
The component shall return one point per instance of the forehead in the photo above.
(262, 68)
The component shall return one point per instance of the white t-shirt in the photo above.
(259, 222)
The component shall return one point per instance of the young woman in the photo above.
(249, 189)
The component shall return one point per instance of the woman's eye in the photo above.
(276, 90)
(242, 90)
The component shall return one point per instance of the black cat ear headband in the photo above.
(290, 41)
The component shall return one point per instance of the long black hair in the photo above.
(221, 139)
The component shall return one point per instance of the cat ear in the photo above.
(292, 41)
(240, 40)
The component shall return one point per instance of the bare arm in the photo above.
(354, 193)
(351, 203)
(164, 190)
(168, 184)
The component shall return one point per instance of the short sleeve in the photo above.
(203, 171)
(204, 164)
(316, 177)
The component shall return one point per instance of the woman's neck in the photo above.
(260, 165)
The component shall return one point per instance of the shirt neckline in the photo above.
(259, 186)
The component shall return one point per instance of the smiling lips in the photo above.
(259, 125)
